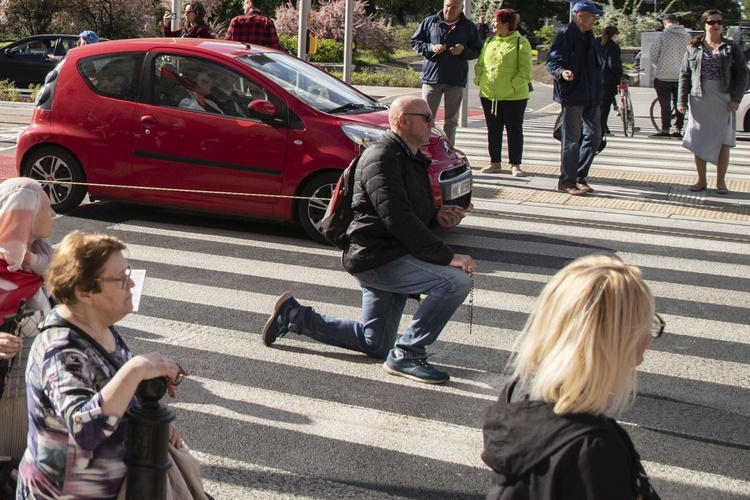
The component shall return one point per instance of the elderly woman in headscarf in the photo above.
(25, 224)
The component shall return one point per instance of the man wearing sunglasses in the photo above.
(574, 61)
(393, 254)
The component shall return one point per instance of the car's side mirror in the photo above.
(266, 109)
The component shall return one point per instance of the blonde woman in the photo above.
(551, 434)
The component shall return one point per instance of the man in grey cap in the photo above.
(666, 55)
(574, 61)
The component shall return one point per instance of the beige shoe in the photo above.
(516, 170)
(494, 168)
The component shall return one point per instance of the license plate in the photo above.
(460, 189)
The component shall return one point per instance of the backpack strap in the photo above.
(63, 323)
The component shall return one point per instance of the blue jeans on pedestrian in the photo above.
(577, 155)
(384, 293)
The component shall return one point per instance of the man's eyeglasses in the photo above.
(714, 23)
(123, 281)
(657, 326)
(427, 116)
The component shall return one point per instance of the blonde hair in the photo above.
(578, 348)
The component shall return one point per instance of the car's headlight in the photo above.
(362, 135)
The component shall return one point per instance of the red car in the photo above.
(207, 125)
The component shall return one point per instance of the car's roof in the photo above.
(47, 35)
(222, 47)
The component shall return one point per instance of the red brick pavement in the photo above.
(7, 166)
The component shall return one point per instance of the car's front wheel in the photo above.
(61, 176)
(311, 210)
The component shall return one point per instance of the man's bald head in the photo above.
(410, 118)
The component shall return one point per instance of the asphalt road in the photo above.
(302, 420)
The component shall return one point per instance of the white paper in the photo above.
(138, 276)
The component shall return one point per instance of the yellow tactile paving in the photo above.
(679, 201)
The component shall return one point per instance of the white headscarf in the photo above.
(20, 201)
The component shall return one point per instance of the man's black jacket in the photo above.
(393, 209)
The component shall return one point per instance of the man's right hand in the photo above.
(463, 262)
(9, 345)
(567, 75)
(438, 48)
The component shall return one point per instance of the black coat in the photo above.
(393, 209)
(539, 455)
(611, 63)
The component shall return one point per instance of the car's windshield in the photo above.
(315, 87)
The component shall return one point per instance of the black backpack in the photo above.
(339, 213)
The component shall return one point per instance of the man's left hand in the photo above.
(451, 215)
(457, 49)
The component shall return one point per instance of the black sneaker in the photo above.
(677, 135)
(278, 324)
(416, 369)
(660, 135)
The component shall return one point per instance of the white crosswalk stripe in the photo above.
(689, 422)
(637, 154)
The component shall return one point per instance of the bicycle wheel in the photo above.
(626, 114)
(655, 114)
(630, 130)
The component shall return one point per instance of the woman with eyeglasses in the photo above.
(77, 397)
(193, 23)
(25, 252)
(198, 97)
(503, 75)
(713, 80)
(552, 433)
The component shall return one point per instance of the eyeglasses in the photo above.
(657, 326)
(427, 116)
(123, 281)
(714, 23)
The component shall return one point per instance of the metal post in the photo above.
(147, 457)
(177, 10)
(464, 114)
(304, 9)
(348, 39)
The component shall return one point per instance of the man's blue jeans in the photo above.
(577, 156)
(384, 293)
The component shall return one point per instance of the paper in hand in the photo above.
(138, 276)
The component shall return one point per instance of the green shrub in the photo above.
(547, 33)
(35, 88)
(403, 34)
(396, 77)
(328, 50)
(8, 91)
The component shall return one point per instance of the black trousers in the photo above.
(507, 115)
(609, 93)
(666, 92)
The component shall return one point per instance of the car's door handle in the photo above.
(148, 121)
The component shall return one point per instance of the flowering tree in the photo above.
(328, 22)
(29, 17)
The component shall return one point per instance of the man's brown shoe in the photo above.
(584, 186)
(572, 190)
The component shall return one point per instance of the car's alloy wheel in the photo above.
(312, 210)
(57, 169)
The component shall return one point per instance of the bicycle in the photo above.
(626, 109)
(655, 114)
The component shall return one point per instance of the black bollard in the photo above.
(147, 457)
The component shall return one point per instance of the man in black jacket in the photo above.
(392, 253)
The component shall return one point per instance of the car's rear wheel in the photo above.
(312, 209)
(58, 171)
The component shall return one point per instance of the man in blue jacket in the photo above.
(575, 64)
(447, 41)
